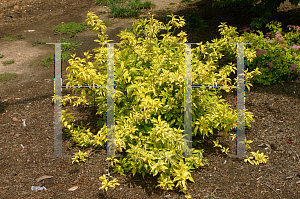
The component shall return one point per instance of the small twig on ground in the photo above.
(212, 193)
(8, 186)
(297, 156)
(226, 195)
(93, 151)
(270, 188)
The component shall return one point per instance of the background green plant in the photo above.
(66, 51)
(20, 37)
(186, 1)
(132, 8)
(266, 9)
(276, 59)
(48, 61)
(194, 22)
(149, 74)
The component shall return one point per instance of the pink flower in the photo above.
(276, 57)
(295, 47)
(264, 51)
(291, 69)
(271, 64)
(283, 53)
(289, 73)
(295, 55)
(246, 29)
(294, 65)
(295, 27)
(270, 47)
(267, 69)
(258, 52)
(258, 64)
(278, 37)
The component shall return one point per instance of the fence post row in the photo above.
(110, 147)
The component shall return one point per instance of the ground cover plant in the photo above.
(121, 8)
(37, 42)
(70, 28)
(8, 38)
(7, 76)
(8, 62)
(149, 79)
(13, 38)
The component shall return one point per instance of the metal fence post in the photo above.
(240, 130)
(240, 135)
(57, 102)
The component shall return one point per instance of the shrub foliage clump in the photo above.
(149, 79)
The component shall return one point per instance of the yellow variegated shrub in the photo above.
(149, 79)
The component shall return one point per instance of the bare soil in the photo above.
(27, 99)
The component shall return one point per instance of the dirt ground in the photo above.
(27, 100)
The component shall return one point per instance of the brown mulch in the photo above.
(275, 131)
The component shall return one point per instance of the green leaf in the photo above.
(133, 171)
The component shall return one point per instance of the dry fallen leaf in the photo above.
(15, 119)
(43, 178)
(73, 188)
